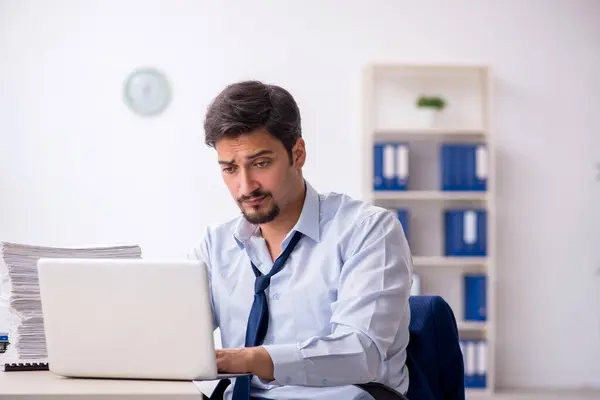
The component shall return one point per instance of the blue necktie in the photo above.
(258, 321)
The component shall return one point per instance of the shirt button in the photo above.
(275, 296)
(288, 380)
(324, 381)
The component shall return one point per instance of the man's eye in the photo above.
(262, 164)
(228, 170)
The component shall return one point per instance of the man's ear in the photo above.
(299, 153)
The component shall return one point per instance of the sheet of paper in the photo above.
(21, 292)
(206, 387)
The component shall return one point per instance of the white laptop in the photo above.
(127, 318)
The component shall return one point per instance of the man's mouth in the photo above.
(255, 201)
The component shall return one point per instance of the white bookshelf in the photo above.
(390, 93)
(426, 195)
(450, 262)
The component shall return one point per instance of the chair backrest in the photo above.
(434, 357)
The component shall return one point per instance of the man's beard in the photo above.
(259, 217)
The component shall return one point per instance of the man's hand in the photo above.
(247, 360)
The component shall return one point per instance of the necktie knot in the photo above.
(261, 283)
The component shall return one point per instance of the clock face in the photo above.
(147, 91)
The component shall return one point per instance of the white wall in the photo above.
(77, 167)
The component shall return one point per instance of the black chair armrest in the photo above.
(377, 390)
(219, 391)
(381, 392)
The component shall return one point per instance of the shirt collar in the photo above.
(308, 223)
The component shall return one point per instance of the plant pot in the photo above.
(425, 117)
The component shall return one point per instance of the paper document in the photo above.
(21, 293)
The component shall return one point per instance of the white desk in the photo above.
(41, 384)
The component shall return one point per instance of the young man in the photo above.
(310, 290)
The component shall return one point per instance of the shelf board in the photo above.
(472, 392)
(421, 261)
(382, 66)
(430, 132)
(472, 326)
(428, 195)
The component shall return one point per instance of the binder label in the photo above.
(388, 161)
(481, 163)
(470, 227)
(402, 162)
(471, 357)
(481, 358)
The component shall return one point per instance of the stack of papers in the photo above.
(21, 293)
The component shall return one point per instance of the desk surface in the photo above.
(46, 383)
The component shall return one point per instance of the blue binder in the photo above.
(465, 232)
(404, 216)
(475, 297)
(390, 166)
(464, 167)
(475, 362)
(481, 373)
(468, 361)
(451, 177)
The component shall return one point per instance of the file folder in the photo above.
(403, 217)
(475, 363)
(390, 166)
(449, 163)
(464, 167)
(3, 342)
(465, 232)
(481, 367)
(475, 297)
(469, 362)
(415, 288)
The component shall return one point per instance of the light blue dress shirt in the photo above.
(339, 310)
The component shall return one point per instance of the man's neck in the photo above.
(274, 232)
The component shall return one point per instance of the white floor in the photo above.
(538, 395)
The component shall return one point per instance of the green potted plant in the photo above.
(427, 108)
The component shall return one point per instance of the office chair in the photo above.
(434, 358)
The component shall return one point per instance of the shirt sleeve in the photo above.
(373, 295)
(200, 251)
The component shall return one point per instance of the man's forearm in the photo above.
(339, 359)
(262, 364)
(246, 360)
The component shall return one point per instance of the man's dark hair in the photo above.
(245, 106)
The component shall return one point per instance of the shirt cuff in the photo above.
(288, 364)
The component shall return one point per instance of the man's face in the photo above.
(257, 170)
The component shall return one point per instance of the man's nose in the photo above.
(247, 184)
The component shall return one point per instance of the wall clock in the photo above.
(147, 91)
